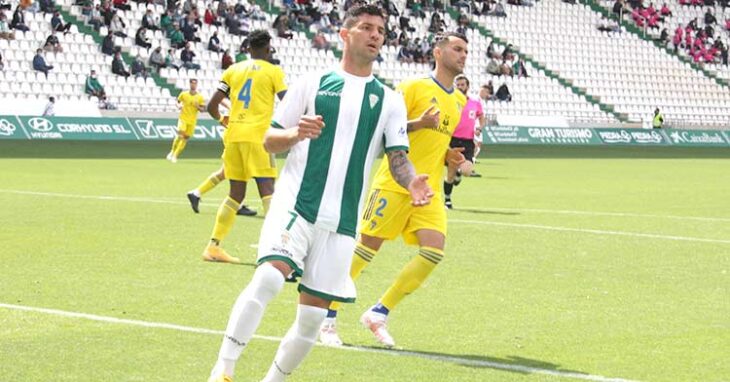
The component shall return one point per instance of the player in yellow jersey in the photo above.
(434, 110)
(251, 86)
(190, 103)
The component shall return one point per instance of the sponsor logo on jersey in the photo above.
(374, 100)
(328, 93)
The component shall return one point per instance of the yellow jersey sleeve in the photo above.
(428, 146)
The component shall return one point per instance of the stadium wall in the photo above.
(18, 127)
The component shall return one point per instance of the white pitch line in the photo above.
(518, 225)
(396, 353)
(167, 200)
(594, 213)
(593, 231)
(110, 197)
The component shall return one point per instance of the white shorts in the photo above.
(320, 257)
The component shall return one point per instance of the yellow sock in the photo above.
(412, 275)
(224, 219)
(361, 258)
(209, 183)
(266, 201)
(174, 144)
(180, 147)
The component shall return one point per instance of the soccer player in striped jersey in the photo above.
(434, 109)
(251, 87)
(190, 103)
(334, 123)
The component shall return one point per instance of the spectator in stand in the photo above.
(18, 20)
(93, 87)
(256, 13)
(171, 61)
(50, 109)
(214, 43)
(95, 19)
(226, 60)
(507, 53)
(138, 68)
(177, 40)
(107, 45)
(491, 53)
(52, 43)
(187, 56)
(665, 11)
(519, 68)
(156, 61)
(405, 55)
(493, 67)
(320, 42)
(117, 26)
(2, 64)
(5, 32)
(498, 10)
(210, 16)
(47, 6)
(663, 37)
(167, 22)
(710, 18)
(437, 24)
(189, 29)
(677, 39)
(727, 24)
(122, 4)
(503, 93)
(141, 38)
(118, 67)
(57, 23)
(242, 54)
(619, 8)
(148, 21)
(487, 92)
(281, 24)
(39, 63)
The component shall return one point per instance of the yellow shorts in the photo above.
(186, 128)
(389, 214)
(245, 160)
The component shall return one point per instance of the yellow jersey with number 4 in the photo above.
(190, 104)
(428, 146)
(251, 86)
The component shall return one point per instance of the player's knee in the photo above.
(309, 320)
(268, 281)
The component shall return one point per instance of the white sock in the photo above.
(196, 192)
(246, 315)
(297, 343)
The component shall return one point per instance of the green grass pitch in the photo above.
(561, 264)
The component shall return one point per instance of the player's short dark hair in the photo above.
(258, 39)
(193, 80)
(462, 77)
(356, 11)
(442, 38)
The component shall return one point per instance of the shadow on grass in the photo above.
(513, 364)
(487, 212)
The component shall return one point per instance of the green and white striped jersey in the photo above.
(324, 179)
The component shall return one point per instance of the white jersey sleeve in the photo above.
(395, 133)
(294, 105)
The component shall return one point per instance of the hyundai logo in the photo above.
(40, 124)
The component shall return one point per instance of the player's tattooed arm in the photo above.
(401, 167)
(405, 174)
